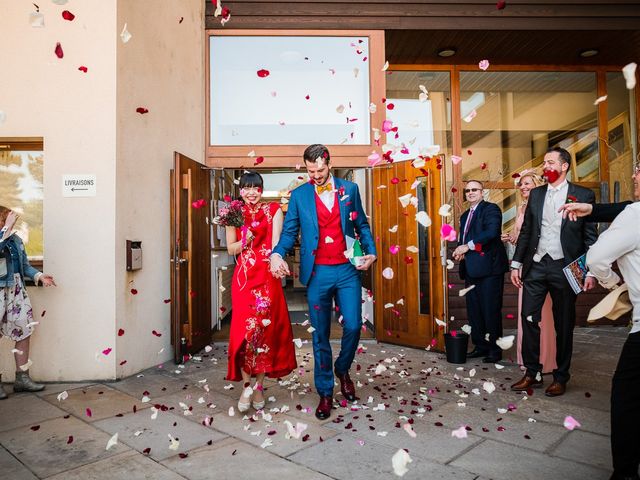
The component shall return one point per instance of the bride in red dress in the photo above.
(261, 340)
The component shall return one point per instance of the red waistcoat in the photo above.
(329, 225)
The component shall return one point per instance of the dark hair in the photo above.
(565, 156)
(315, 151)
(251, 179)
(466, 182)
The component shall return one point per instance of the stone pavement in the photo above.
(175, 423)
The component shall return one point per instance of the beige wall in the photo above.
(75, 113)
(162, 69)
(89, 125)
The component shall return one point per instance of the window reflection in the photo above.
(510, 119)
(424, 271)
(289, 90)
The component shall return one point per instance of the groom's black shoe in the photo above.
(346, 386)
(324, 408)
(475, 353)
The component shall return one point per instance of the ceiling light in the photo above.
(447, 52)
(590, 52)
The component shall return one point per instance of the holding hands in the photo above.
(278, 266)
(575, 210)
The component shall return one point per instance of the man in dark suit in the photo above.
(483, 263)
(547, 243)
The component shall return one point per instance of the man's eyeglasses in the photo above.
(636, 169)
(469, 190)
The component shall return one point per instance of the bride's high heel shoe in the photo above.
(258, 405)
(247, 393)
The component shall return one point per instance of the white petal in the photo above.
(399, 462)
(26, 366)
(267, 443)
(505, 343)
(445, 210)
(174, 443)
(460, 432)
(372, 108)
(600, 99)
(385, 66)
(423, 218)
(380, 368)
(36, 19)
(328, 239)
(266, 322)
(388, 305)
(489, 387)
(297, 342)
(387, 273)
(464, 291)
(405, 200)
(340, 108)
(409, 429)
(232, 412)
(472, 372)
(466, 329)
(208, 348)
(394, 229)
(412, 249)
(629, 72)
(63, 396)
(311, 329)
(154, 413)
(112, 441)
(125, 35)
(441, 323)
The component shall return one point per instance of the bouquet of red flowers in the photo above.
(230, 215)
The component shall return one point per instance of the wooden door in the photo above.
(190, 257)
(408, 304)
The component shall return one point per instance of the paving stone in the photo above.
(282, 446)
(47, 450)
(25, 409)
(542, 435)
(585, 447)
(103, 401)
(12, 468)
(431, 442)
(155, 433)
(151, 384)
(231, 459)
(56, 388)
(507, 462)
(369, 461)
(129, 465)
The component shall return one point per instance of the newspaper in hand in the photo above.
(576, 272)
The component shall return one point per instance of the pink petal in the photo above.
(106, 351)
(394, 249)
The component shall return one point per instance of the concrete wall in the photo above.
(90, 125)
(162, 69)
(75, 113)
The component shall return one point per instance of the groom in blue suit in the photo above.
(328, 213)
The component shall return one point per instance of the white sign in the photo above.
(79, 185)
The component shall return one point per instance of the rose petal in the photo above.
(505, 343)
(387, 273)
(483, 64)
(460, 432)
(67, 15)
(262, 73)
(125, 36)
(399, 462)
(629, 72)
(423, 218)
(58, 51)
(570, 423)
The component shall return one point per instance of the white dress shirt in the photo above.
(621, 243)
(549, 242)
(328, 197)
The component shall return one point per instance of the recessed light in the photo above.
(447, 52)
(590, 52)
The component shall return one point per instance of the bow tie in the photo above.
(324, 188)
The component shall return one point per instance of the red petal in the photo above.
(183, 455)
(88, 412)
(157, 334)
(223, 309)
(262, 73)
(70, 439)
(395, 180)
(167, 300)
(501, 4)
(142, 110)
(43, 312)
(307, 97)
(227, 198)
(515, 175)
(123, 362)
(35, 428)
(192, 294)
(146, 451)
(120, 332)
(390, 106)
(225, 13)
(67, 15)
(58, 51)
(259, 160)
(83, 69)
(483, 166)
(134, 291)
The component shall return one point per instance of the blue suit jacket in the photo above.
(302, 217)
(484, 229)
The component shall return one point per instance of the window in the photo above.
(289, 90)
(21, 189)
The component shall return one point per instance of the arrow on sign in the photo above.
(78, 189)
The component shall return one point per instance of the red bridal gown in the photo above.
(261, 340)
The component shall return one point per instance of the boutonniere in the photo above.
(571, 199)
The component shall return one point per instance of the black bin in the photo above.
(456, 347)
